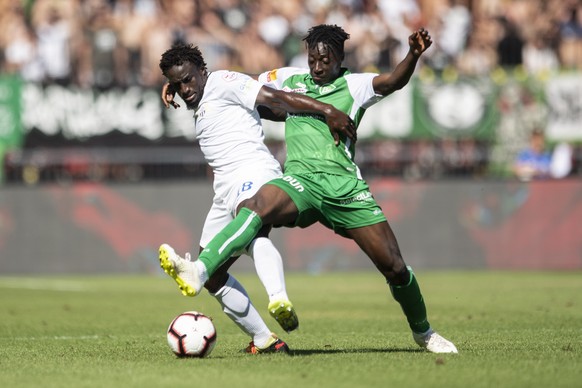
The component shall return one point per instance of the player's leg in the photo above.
(269, 202)
(269, 206)
(269, 267)
(237, 305)
(379, 243)
(278, 203)
(266, 257)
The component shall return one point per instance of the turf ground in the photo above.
(512, 330)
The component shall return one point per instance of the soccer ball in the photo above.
(191, 334)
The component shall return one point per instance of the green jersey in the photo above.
(310, 145)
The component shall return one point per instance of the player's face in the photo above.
(324, 66)
(188, 81)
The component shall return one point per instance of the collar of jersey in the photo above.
(342, 73)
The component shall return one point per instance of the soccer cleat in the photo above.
(183, 271)
(433, 342)
(275, 346)
(284, 313)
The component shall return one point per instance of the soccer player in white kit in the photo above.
(230, 135)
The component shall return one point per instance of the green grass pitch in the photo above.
(512, 329)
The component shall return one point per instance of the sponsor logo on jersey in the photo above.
(272, 76)
(361, 197)
(294, 90)
(326, 89)
(294, 183)
(309, 115)
(230, 76)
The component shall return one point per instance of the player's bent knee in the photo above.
(398, 277)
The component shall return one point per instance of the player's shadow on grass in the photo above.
(310, 352)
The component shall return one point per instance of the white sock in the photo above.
(236, 304)
(269, 267)
(202, 271)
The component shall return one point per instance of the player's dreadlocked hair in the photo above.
(179, 54)
(331, 35)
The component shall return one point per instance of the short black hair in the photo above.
(332, 36)
(181, 53)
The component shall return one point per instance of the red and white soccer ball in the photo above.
(192, 334)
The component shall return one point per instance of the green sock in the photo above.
(412, 304)
(233, 238)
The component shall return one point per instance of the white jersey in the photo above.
(230, 134)
(228, 126)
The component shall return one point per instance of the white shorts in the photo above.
(235, 188)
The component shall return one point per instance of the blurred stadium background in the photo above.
(96, 173)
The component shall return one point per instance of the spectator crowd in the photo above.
(105, 43)
(118, 43)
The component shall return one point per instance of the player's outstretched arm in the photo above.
(338, 122)
(387, 83)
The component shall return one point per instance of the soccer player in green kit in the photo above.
(321, 182)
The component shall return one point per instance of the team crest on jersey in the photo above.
(326, 89)
(230, 76)
(272, 76)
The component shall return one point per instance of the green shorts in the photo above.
(338, 202)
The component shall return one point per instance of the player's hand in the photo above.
(168, 96)
(340, 123)
(419, 41)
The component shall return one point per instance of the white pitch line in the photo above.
(43, 285)
(73, 338)
(61, 337)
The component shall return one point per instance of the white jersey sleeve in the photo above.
(231, 87)
(362, 90)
